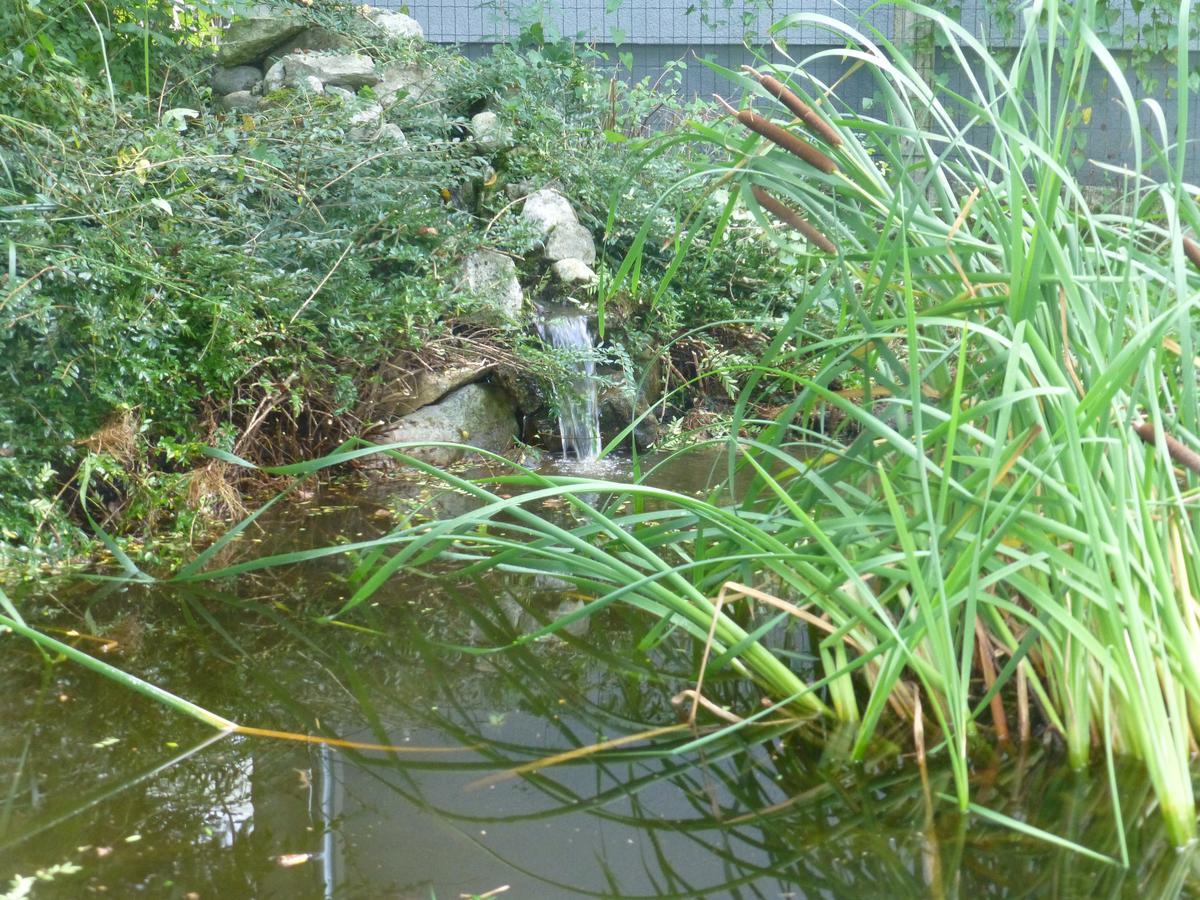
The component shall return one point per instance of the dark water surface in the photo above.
(149, 804)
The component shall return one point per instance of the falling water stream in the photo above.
(579, 414)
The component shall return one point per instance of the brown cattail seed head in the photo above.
(801, 110)
(781, 137)
(1192, 251)
(786, 214)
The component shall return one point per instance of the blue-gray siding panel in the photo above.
(655, 34)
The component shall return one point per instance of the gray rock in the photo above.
(364, 124)
(529, 393)
(570, 240)
(368, 115)
(429, 386)
(482, 415)
(341, 93)
(348, 70)
(311, 84)
(274, 78)
(263, 27)
(314, 38)
(616, 414)
(413, 83)
(398, 26)
(546, 209)
(239, 101)
(491, 279)
(573, 272)
(231, 79)
(392, 134)
(490, 136)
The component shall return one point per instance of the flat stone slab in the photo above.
(314, 38)
(347, 70)
(263, 27)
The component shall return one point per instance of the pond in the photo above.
(467, 800)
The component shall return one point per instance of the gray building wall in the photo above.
(657, 34)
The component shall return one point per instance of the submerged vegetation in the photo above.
(970, 507)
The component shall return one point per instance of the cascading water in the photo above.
(579, 414)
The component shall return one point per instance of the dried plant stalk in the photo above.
(786, 214)
(1178, 451)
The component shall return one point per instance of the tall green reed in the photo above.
(1025, 384)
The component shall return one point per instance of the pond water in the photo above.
(147, 803)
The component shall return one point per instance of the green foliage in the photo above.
(165, 272)
(173, 281)
(67, 61)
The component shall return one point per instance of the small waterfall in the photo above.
(579, 414)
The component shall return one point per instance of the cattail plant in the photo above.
(799, 108)
(783, 138)
(789, 216)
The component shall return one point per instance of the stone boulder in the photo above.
(365, 123)
(574, 272)
(345, 70)
(616, 414)
(262, 27)
(490, 136)
(481, 415)
(231, 79)
(397, 26)
(491, 279)
(274, 78)
(415, 84)
(238, 101)
(391, 133)
(547, 209)
(570, 240)
(310, 84)
(428, 386)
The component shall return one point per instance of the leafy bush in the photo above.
(176, 280)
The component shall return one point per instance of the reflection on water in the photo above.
(149, 804)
